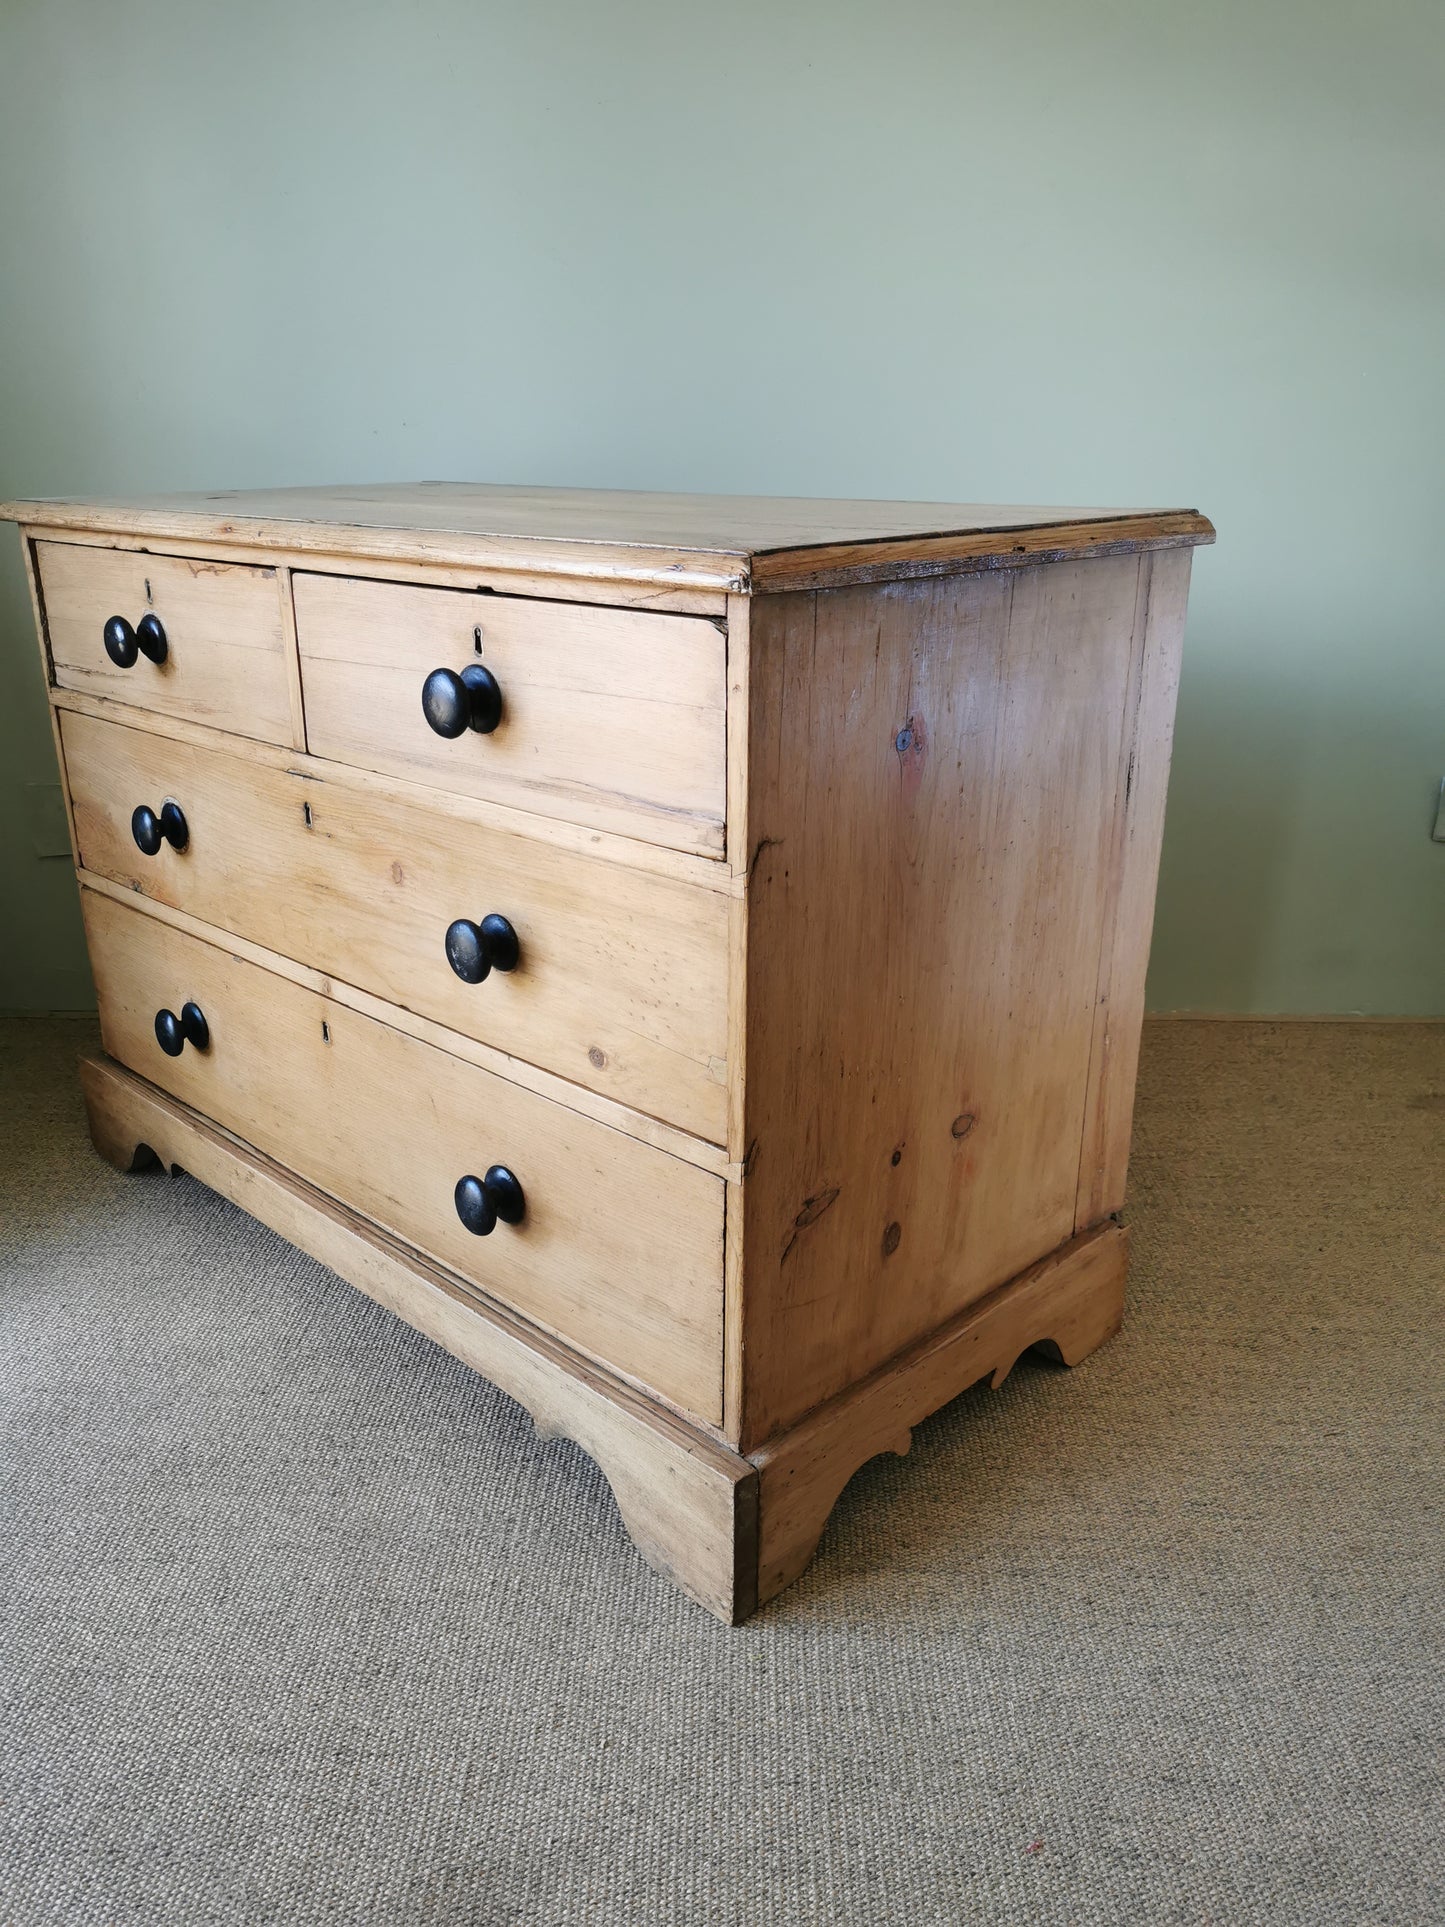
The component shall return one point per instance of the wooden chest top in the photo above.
(733, 544)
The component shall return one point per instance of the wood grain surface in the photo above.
(226, 655)
(622, 980)
(719, 543)
(924, 925)
(611, 717)
(621, 1249)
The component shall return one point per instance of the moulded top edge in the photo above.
(714, 542)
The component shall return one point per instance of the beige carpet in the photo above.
(301, 1623)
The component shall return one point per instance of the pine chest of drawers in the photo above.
(684, 954)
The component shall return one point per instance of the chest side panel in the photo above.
(935, 773)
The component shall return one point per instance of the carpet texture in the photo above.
(302, 1623)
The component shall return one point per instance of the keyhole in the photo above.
(477, 638)
(306, 812)
(325, 1031)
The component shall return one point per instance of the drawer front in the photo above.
(620, 982)
(225, 647)
(620, 1250)
(609, 717)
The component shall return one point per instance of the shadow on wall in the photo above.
(1227, 842)
(1298, 872)
(42, 957)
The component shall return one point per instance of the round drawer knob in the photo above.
(474, 1207)
(174, 1033)
(120, 643)
(453, 704)
(474, 950)
(151, 638)
(150, 829)
(482, 1201)
(123, 644)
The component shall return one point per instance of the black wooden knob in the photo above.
(151, 638)
(145, 828)
(174, 1033)
(505, 1194)
(476, 949)
(151, 830)
(453, 704)
(120, 643)
(474, 1208)
(123, 644)
(482, 1201)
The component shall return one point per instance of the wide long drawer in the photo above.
(620, 979)
(620, 1247)
(614, 718)
(201, 640)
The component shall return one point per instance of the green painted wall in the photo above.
(1118, 252)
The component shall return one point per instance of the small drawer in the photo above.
(612, 718)
(619, 982)
(201, 640)
(619, 1249)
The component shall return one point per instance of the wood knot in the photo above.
(963, 1124)
(814, 1207)
(597, 1058)
(911, 743)
(912, 739)
(892, 1238)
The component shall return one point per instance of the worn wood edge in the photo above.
(710, 571)
(739, 726)
(604, 846)
(907, 558)
(732, 1359)
(726, 571)
(641, 597)
(738, 640)
(707, 838)
(734, 1268)
(739, 722)
(688, 1503)
(1073, 1300)
(580, 1098)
